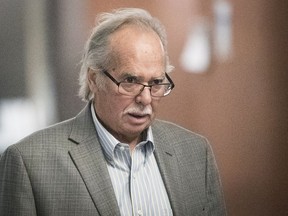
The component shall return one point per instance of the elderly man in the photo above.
(114, 158)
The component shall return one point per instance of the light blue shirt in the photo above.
(136, 179)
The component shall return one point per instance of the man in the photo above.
(114, 158)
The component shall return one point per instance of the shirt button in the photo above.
(122, 148)
(140, 212)
(134, 177)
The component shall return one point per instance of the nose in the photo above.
(144, 97)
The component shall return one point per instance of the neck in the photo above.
(132, 141)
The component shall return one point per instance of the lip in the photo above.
(138, 118)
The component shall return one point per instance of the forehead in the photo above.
(137, 51)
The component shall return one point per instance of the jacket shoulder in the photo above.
(178, 136)
(47, 137)
(167, 128)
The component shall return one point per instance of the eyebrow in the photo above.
(127, 74)
(140, 78)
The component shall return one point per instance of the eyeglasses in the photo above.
(132, 88)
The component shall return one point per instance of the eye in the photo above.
(130, 79)
(157, 81)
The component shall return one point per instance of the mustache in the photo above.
(139, 110)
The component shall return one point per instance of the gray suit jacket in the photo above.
(61, 171)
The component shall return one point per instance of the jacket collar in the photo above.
(88, 157)
(169, 167)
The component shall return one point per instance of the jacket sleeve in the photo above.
(216, 204)
(16, 194)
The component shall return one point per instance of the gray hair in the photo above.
(97, 51)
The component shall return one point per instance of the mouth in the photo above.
(139, 116)
(136, 118)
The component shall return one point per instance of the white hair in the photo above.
(97, 52)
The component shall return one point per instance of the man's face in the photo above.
(139, 54)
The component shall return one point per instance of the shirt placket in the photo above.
(122, 161)
(135, 181)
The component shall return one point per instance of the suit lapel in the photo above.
(88, 158)
(168, 165)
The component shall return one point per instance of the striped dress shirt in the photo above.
(136, 179)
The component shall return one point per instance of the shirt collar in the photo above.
(109, 142)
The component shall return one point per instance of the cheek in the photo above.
(155, 105)
(119, 104)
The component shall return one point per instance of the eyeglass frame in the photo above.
(171, 83)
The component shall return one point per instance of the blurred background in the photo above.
(231, 76)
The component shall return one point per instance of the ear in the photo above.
(91, 79)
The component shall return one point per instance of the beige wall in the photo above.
(240, 105)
